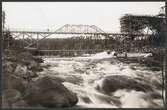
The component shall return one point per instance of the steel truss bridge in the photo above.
(32, 38)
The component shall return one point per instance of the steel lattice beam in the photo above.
(67, 29)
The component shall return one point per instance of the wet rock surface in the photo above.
(115, 82)
(16, 82)
(12, 98)
(19, 70)
(49, 92)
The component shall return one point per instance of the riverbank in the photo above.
(24, 88)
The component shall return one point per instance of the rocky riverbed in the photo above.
(104, 81)
(24, 88)
(89, 81)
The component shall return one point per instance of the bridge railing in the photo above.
(45, 31)
(30, 30)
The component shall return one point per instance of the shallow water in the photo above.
(83, 74)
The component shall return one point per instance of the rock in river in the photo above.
(112, 83)
(48, 92)
(15, 82)
(12, 98)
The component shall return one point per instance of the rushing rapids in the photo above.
(89, 76)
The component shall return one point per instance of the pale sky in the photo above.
(52, 15)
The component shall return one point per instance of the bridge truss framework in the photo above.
(33, 38)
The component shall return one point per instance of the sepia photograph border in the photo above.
(31, 108)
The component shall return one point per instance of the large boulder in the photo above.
(12, 98)
(48, 92)
(112, 83)
(14, 82)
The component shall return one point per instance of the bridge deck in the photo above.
(87, 33)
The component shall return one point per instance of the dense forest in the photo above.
(79, 43)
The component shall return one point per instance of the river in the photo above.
(83, 74)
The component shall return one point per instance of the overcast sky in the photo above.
(52, 15)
